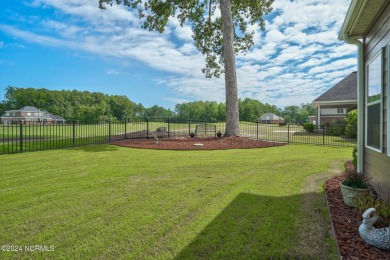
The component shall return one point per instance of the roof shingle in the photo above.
(346, 89)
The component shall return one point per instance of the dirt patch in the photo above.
(197, 143)
(315, 233)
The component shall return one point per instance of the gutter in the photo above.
(360, 97)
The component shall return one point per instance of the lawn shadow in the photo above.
(256, 227)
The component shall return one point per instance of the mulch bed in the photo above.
(197, 143)
(346, 221)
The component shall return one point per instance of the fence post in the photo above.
(168, 126)
(288, 133)
(189, 126)
(74, 132)
(109, 130)
(147, 128)
(323, 136)
(125, 127)
(257, 130)
(21, 137)
(4, 139)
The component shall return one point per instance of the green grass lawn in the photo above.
(113, 202)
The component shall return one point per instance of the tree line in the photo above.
(77, 105)
(86, 106)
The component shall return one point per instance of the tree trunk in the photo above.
(229, 60)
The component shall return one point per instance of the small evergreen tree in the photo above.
(351, 124)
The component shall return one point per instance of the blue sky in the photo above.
(71, 44)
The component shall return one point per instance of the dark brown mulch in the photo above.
(346, 221)
(197, 143)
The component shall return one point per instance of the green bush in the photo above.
(336, 129)
(309, 127)
(354, 156)
(351, 124)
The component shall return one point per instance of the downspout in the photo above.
(360, 96)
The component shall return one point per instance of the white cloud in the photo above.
(113, 72)
(296, 58)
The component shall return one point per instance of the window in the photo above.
(340, 111)
(374, 103)
(29, 114)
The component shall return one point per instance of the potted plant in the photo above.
(219, 134)
(355, 184)
(192, 134)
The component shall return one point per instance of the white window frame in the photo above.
(379, 54)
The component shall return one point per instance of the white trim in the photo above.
(380, 102)
(388, 100)
(318, 115)
(350, 18)
(334, 103)
(360, 92)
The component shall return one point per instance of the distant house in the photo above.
(270, 118)
(367, 25)
(30, 115)
(334, 105)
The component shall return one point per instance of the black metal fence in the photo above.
(28, 137)
(34, 136)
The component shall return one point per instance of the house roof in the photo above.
(360, 16)
(270, 116)
(46, 114)
(58, 118)
(29, 109)
(26, 109)
(345, 90)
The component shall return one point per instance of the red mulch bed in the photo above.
(346, 221)
(188, 143)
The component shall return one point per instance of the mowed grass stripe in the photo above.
(113, 202)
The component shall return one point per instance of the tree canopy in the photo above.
(220, 38)
(78, 105)
(84, 105)
(206, 24)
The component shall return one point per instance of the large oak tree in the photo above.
(220, 39)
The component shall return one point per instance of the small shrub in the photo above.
(371, 201)
(353, 178)
(336, 129)
(309, 127)
(351, 124)
(354, 157)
